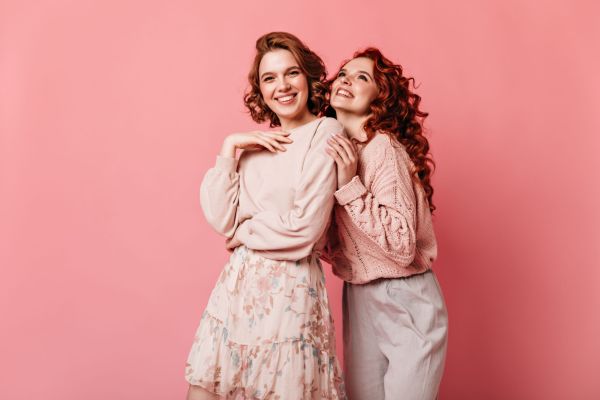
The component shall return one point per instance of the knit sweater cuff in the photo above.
(350, 191)
(226, 164)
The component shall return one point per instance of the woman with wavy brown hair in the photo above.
(267, 331)
(382, 242)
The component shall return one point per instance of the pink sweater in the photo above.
(382, 225)
(278, 204)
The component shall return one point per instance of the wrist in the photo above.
(343, 182)
(350, 191)
(227, 149)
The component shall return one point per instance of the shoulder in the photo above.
(328, 123)
(379, 144)
(326, 127)
(384, 151)
(377, 150)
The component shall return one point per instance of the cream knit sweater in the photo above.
(382, 224)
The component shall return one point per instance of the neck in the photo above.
(353, 125)
(305, 118)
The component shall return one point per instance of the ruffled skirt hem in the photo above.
(261, 371)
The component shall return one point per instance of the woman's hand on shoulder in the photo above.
(345, 154)
(255, 140)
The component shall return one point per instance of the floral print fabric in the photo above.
(267, 332)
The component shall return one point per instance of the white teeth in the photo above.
(344, 92)
(286, 99)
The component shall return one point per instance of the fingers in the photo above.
(338, 160)
(269, 144)
(348, 146)
(343, 150)
(342, 157)
(279, 136)
(271, 139)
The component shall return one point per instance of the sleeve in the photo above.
(219, 195)
(387, 213)
(331, 242)
(292, 236)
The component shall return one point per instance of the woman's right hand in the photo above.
(255, 140)
(345, 154)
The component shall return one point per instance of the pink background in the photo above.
(111, 112)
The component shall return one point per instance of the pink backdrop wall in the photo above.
(111, 111)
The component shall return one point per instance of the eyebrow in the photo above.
(364, 72)
(287, 70)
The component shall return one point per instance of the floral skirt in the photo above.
(267, 332)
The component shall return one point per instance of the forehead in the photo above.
(277, 60)
(359, 64)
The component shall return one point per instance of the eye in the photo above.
(268, 79)
(340, 74)
(363, 77)
(294, 72)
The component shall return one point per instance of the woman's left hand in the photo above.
(345, 154)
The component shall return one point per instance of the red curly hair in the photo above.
(396, 112)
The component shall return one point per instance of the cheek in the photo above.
(365, 105)
(334, 86)
(373, 93)
(367, 96)
(301, 84)
(265, 92)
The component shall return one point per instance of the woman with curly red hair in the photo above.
(267, 331)
(382, 241)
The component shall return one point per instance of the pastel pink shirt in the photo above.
(383, 226)
(278, 204)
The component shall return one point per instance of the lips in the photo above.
(344, 93)
(287, 99)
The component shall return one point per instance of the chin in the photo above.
(287, 114)
(339, 102)
(341, 107)
(293, 114)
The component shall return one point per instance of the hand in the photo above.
(345, 154)
(255, 140)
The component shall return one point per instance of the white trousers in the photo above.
(395, 337)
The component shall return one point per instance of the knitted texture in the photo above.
(382, 223)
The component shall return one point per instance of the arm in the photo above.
(219, 195)
(387, 213)
(327, 254)
(219, 192)
(292, 235)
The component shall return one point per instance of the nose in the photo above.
(345, 80)
(284, 86)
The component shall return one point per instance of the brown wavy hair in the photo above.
(309, 62)
(396, 112)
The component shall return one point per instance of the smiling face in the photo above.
(284, 87)
(354, 88)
